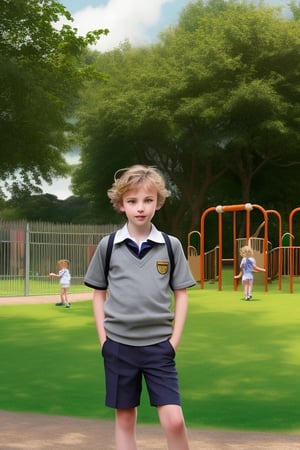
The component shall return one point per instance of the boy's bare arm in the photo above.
(181, 306)
(53, 275)
(258, 269)
(99, 298)
(239, 275)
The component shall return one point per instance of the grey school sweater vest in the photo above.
(138, 307)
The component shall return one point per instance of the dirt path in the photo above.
(39, 432)
(24, 431)
(35, 299)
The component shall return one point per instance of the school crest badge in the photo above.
(162, 267)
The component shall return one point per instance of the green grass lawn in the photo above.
(238, 361)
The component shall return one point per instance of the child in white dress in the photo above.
(248, 266)
(64, 280)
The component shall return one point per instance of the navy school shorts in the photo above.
(126, 365)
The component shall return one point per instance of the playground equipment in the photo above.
(234, 209)
(193, 254)
(293, 251)
(282, 260)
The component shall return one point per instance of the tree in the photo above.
(256, 62)
(47, 208)
(40, 77)
(213, 104)
(130, 119)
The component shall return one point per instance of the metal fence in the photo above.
(29, 251)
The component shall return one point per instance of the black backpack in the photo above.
(110, 246)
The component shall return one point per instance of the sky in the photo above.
(139, 21)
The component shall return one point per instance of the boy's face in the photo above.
(139, 205)
(62, 265)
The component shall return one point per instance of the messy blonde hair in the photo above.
(64, 262)
(246, 251)
(132, 178)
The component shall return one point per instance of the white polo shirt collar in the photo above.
(154, 235)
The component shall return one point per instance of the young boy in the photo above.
(248, 266)
(138, 332)
(64, 281)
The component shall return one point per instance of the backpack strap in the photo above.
(108, 253)
(171, 255)
(110, 246)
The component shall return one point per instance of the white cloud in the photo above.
(125, 19)
(59, 187)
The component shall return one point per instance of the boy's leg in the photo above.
(125, 429)
(123, 380)
(172, 422)
(62, 295)
(246, 289)
(250, 288)
(66, 298)
(162, 382)
(62, 302)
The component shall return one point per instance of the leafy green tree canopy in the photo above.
(40, 77)
(213, 104)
